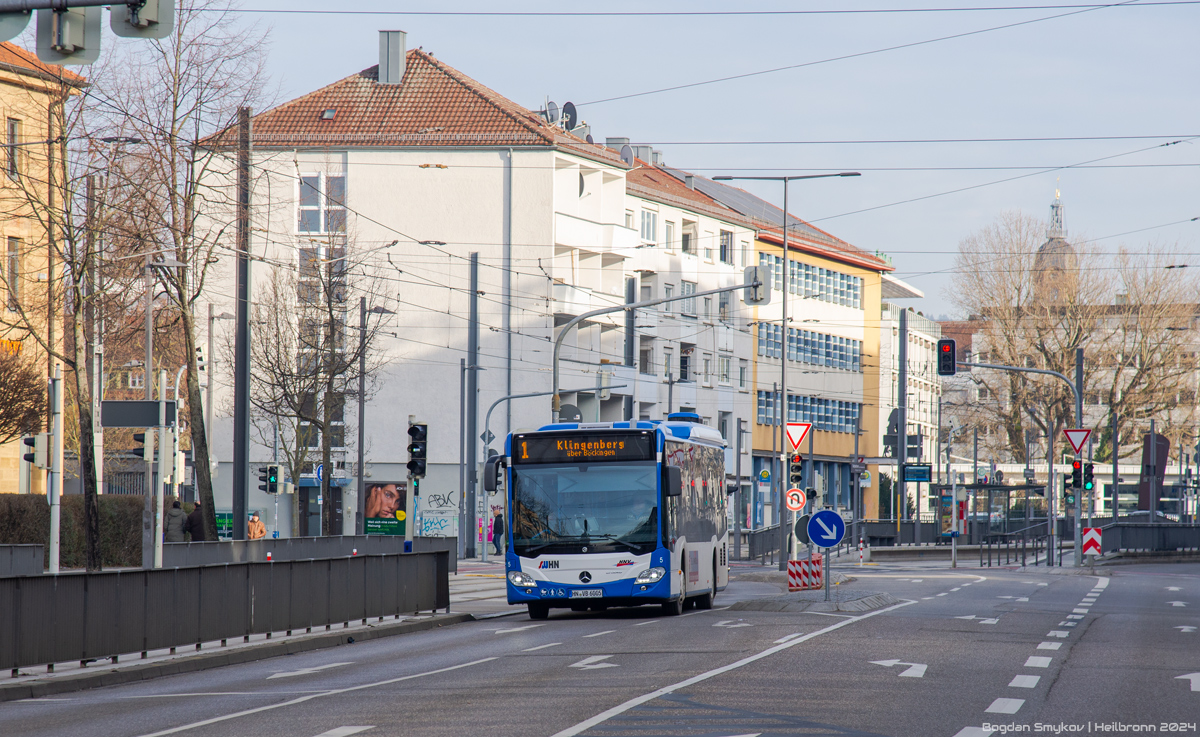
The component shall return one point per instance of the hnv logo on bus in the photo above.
(585, 577)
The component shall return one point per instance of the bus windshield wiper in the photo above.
(614, 538)
(560, 541)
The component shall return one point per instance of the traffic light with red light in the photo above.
(947, 357)
(796, 471)
(1077, 474)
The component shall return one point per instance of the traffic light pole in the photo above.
(1077, 390)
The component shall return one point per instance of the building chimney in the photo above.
(690, 180)
(391, 57)
(616, 143)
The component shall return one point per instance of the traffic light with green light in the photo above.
(1089, 476)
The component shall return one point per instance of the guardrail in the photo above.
(90, 616)
(1143, 536)
(22, 560)
(188, 554)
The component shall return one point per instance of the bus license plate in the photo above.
(587, 593)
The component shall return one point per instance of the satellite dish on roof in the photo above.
(552, 112)
(569, 116)
(589, 139)
(627, 154)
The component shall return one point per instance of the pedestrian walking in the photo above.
(174, 524)
(497, 530)
(256, 529)
(195, 524)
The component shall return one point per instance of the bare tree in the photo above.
(1035, 300)
(174, 95)
(306, 352)
(22, 395)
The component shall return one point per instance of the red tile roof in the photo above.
(645, 180)
(434, 105)
(18, 59)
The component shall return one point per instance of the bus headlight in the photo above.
(653, 575)
(521, 579)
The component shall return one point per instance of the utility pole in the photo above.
(241, 369)
(148, 380)
(359, 495)
(472, 405)
(737, 495)
(462, 458)
(164, 463)
(902, 425)
(631, 285)
(1078, 423)
(1116, 459)
(56, 466)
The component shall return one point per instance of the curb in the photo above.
(194, 663)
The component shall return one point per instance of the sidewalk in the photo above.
(479, 589)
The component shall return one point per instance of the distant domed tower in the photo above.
(1056, 264)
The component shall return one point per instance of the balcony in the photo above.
(570, 300)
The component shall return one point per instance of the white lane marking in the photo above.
(344, 731)
(607, 714)
(785, 638)
(926, 598)
(597, 634)
(1194, 678)
(914, 670)
(306, 671)
(1074, 616)
(1023, 598)
(540, 647)
(1177, 603)
(1079, 611)
(731, 623)
(1068, 624)
(982, 620)
(217, 693)
(1006, 597)
(1043, 584)
(1174, 588)
(1005, 706)
(41, 700)
(518, 629)
(917, 580)
(593, 662)
(1101, 583)
(968, 583)
(1184, 629)
(957, 588)
(652, 621)
(1049, 645)
(309, 697)
(974, 732)
(1037, 661)
(831, 614)
(1057, 633)
(1024, 682)
(942, 594)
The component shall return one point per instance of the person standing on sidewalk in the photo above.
(195, 524)
(174, 525)
(256, 529)
(497, 530)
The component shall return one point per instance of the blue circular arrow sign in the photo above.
(826, 528)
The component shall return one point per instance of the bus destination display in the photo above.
(590, 447)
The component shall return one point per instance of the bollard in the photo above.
(354, 551)
(268, 556)
(860, 551)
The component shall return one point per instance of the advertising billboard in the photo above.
(384, 505)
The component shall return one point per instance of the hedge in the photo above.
(25, 519)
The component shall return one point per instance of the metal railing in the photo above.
(90, 616)
(187, 554)
(22, 560)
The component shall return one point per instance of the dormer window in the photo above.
(328, 113)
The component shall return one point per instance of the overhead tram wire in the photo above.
(856, 55)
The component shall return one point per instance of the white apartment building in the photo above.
(412, 166)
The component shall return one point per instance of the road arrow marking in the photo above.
(344, 731)
(1177, 603)
(982, 620)
(519, 629)
(731, 623)
(306, 671)
(1194, 678)
(593, 662)
(1185, 628)
(914, 670)
(829, 533)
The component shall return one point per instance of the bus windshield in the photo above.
(603, 507)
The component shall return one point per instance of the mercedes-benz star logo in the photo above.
(585, 577)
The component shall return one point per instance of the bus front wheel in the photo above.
(538, 610)
(673, 608)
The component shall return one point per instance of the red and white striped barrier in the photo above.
(804, 574)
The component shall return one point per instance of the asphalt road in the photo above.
(962, 653)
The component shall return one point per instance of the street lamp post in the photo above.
(780, 512)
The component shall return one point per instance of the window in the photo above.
(706, 366)
(745, 248)
(13, 162)
(647, 293)
(687, 306)
(685, 366)
(649, 226)
(629, 219)
(668, 359)
(688, 245)
(708, 246)
(670, 235)
(646, 360)
(708, 313)
(668, 293)
(726, 247)
(322, 204)
(12, 272)
(723, 419)
(723, 363)
(723, 306)
(137, 380)
(743, 374)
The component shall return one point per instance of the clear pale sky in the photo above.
(1116, 71)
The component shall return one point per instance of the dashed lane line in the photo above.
(1005, 706)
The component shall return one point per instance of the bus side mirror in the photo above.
(672, 481)
(492, 468)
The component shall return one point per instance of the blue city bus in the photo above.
(615, 514)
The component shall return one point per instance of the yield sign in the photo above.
(796, 432)
(1077, 438)
(1091, 540)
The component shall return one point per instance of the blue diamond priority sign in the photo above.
(826, 528)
